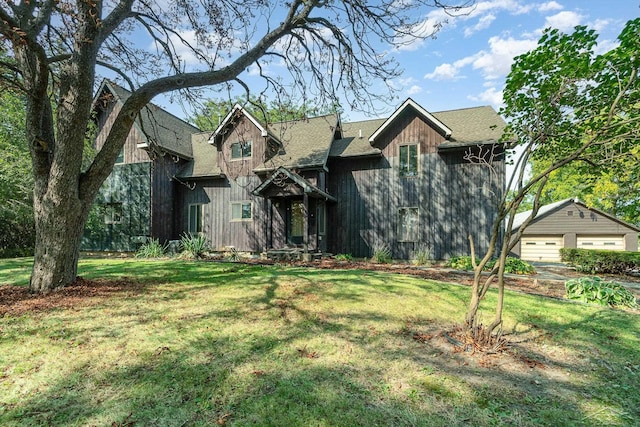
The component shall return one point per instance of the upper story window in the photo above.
(240, 150)
(241, 211)
(408, 160)
(120, 158)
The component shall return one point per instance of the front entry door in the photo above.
(295, 222)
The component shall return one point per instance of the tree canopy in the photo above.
(566, 106)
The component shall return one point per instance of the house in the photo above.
(319, 184)
(571, 224)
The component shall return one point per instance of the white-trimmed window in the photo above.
(241, 211)
(241, 150)
(120, 158)
(195, 218)
(113, 213)
(408, 160)
(408, 225)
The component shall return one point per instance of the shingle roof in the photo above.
(167, 130)
(355, 139)
(475, 125)
(205, 159)
(469, 126)
(304, 143)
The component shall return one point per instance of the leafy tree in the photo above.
(213, 111)
(616, 192)
(565, 105)
(55, 48)
(17, 232)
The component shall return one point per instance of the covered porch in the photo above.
(296, 213)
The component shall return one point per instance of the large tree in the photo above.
(565, 105)
(56, 46)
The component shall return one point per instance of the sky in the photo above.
(468, 61)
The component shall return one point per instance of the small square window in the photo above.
(241, 150)
(241, 211)
(569, 213)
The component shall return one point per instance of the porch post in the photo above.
(269, 228)
(305, 235)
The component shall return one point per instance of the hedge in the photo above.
(599, 261)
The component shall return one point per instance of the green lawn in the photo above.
(231, 344)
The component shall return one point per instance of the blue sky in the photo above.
(466, 64)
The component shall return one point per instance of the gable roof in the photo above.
(465, 127)
(305, 143)
(410, 103)
(168, 131)
(546, 210)
(306, 186)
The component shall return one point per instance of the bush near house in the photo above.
(599, 261)
(597, 291)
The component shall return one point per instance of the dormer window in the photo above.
(240, 150)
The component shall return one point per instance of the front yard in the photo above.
(175, 343)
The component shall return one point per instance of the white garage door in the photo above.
(541, 248)
(608, 243)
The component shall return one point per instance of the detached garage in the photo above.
(571, 224)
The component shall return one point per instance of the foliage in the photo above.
(152, 249)
(422, 257)
(213, 111)
(565, 104)
(191, 343)
(598, 291)
(381, 254)
(17, 231)
(512, 265)
(601, 261)
(344, 257)
(193, 246)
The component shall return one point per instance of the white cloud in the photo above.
(490, 96)
(444, 72)
(563, 21)
(413, 90)
(496, 62)
(600, 24)
(482, 24)
(550, 6)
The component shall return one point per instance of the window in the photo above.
(113, 213)
(408, 160)
(195, 219)
(322, 219)
(569, 213)
(408, 225)
(241, 211)
(241, 150)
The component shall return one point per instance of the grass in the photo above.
(215, 344)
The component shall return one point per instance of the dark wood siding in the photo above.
(454, 198)
(217, 196)
(243, 131)
(106, 116)
(164, 203)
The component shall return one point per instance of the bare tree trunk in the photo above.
(59, 228)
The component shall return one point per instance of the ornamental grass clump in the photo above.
(193, 246)
(594, 290)
(152, 249)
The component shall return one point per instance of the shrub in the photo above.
(381, 254)
(193, 246)
(512, 265)
(151, 249)
(600, 261)
(598, 291)
(343, 257)
(422, 258)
